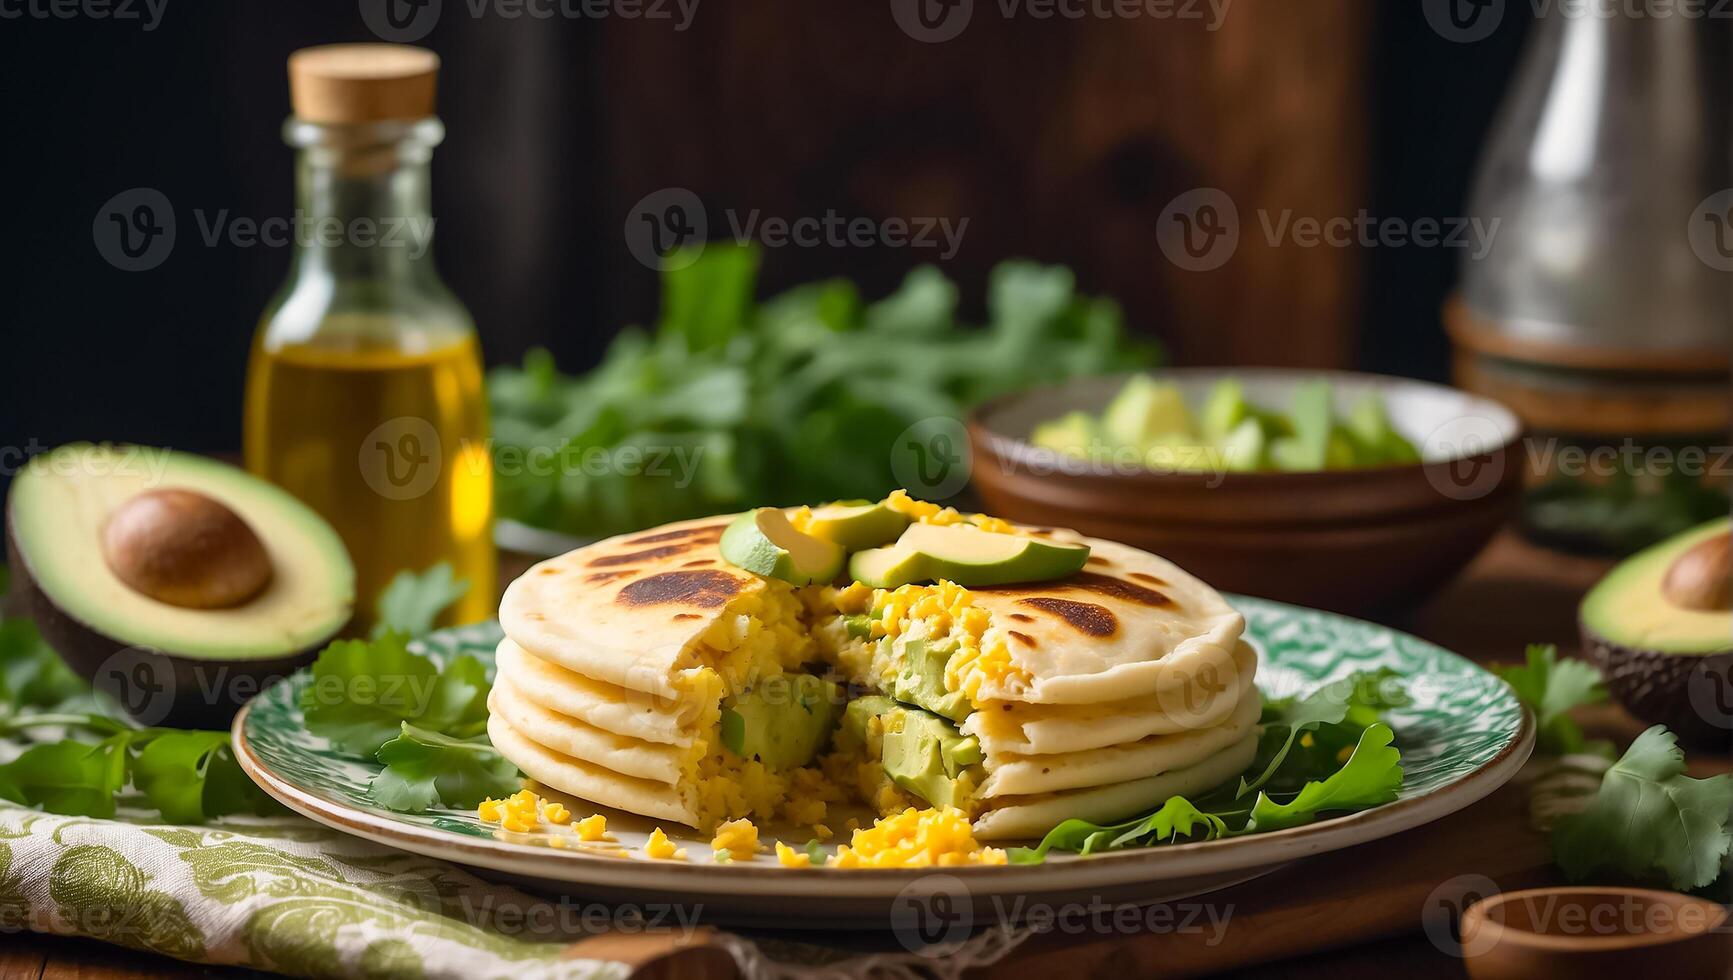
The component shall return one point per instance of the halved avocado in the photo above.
(175, 583)
(1660, 625)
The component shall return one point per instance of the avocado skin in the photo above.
(201, 693)
(1656, 687)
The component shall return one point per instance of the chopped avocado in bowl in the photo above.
(1331, 489)
(1151, 421)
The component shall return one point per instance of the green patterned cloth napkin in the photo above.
(280, 894)
(286, 895)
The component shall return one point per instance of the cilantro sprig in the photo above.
(378, 700)
(1650, 820)
(189, 776)
(1551, 688)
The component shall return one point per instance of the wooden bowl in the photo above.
(1351, 540)
(1590, 932)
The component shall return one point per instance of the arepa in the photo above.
(647, 674)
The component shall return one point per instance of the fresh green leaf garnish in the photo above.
(1370, 777)
(70, 777)
(425, 769)
(1650, 820)
(1551, 687)
(379, 699)
(1352, 704)
(31, 674)
(362, 691)
(192, 777)
(412, 602)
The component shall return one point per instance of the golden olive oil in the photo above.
(364, 394)
(389, 443)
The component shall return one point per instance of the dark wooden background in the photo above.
(1060, 140)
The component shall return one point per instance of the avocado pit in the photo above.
(1701, 579)
(185, 549)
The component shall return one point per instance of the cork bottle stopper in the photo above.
(362, 83)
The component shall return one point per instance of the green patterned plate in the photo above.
(1462, 736)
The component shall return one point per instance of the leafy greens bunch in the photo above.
(1324, 752)
(732, 403)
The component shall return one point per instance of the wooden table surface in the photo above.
(1514, 594)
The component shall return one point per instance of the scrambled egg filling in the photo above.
(732, 788)
(915, 838)
(930, 513)
(737, 838)
(942, 615)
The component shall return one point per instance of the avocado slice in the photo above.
(783, 722)
(925, 754)
(975, 558)
(889, 567)
(857, 525)
(179, 584)
(765, 543)
(1146, 409)
(920, 679)
(1660, 625)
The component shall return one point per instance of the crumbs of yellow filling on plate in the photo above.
(917, 839)
(521, 812)
(592, 828)
(737, 838)
(524, 811)
(788, 857)
(660, 848)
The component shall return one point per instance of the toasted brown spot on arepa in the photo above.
(705, 589)
(1084, 617)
